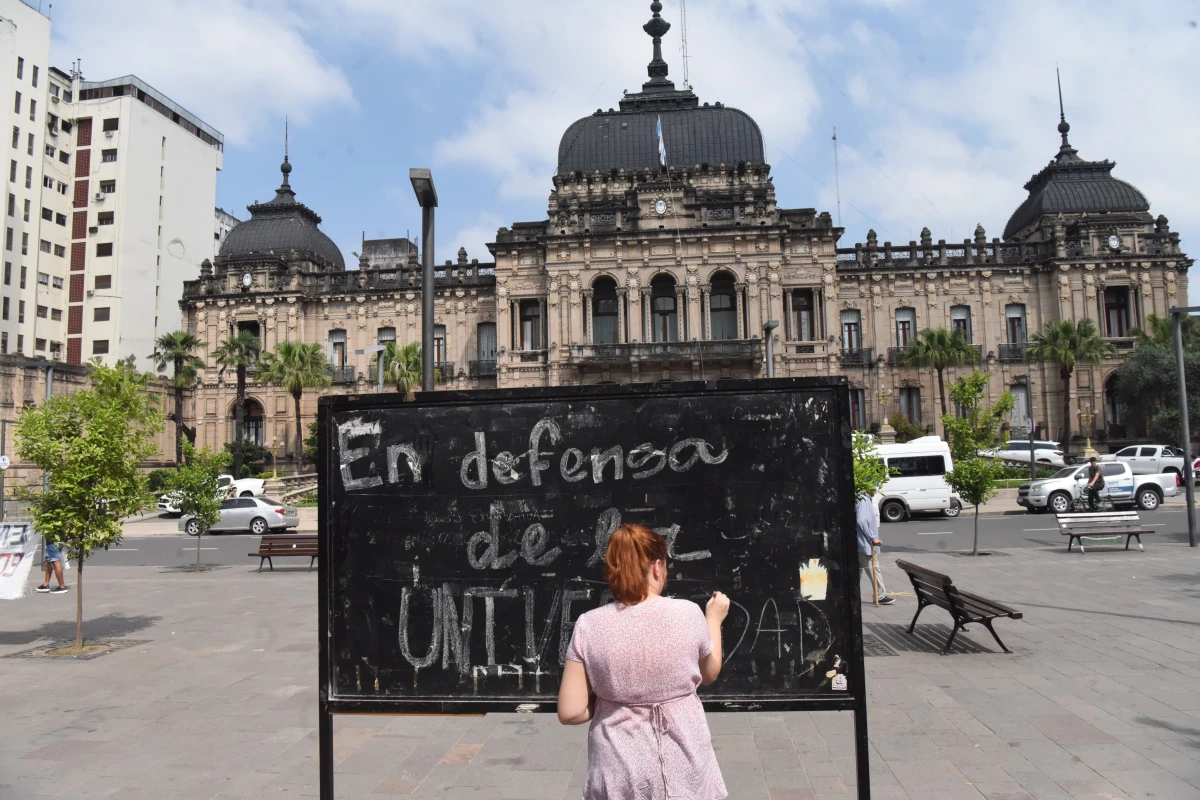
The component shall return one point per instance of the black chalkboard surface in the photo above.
(463, 534)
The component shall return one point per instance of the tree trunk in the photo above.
(975, 546)
(239, 422)
(178, 412)
(299, 445)
(79, 605)
(942, 395)
(1066, 443)
(199, 536)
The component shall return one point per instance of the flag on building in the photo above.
(662, 148)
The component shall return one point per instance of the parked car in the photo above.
(1123, 487)
(1149, 459)
(255, 514)
(1016, 451)
(918, 481)
(245, 487)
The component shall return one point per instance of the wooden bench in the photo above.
(289, 544)
(935, 589)
(1116, 523)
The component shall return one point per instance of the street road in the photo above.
(922, 534)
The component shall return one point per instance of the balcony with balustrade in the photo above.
(745, 350)
(482, 369)
(343, 374)
(1011, 351)
(857, 356)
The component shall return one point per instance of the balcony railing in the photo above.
(729, 349)
(1121, 342)
(856, 355)
(482, 369)
(1012, 351)
(444, 370)
(896, 356)
(343, 374)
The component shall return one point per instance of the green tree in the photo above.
(906, 431)
(295, 366)
(939, 348)
(310, 444)
(979, 426)
(254, 458)
(239, 352)
(1146, 389)
(196, 487)
(1067, 344)
(975, 477)
(89, 445)
(1158, 330)
(869, 470)
(402, 367)
(177, 351)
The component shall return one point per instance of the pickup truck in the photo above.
(246, 487)
(1149, 459)
(1057, 492)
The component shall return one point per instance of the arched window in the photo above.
(723, 307)
(664, 316)
(252, 421)
(604, 311)
(960, 320)
(906, 326)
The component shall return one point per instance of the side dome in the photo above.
(280, 226)
(1070, 185)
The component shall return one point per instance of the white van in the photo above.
(918, 483)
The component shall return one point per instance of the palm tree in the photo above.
(239, 352)
(940, 348)
(402, 367)
(176, 350)
(1068, 343)
(1159, 331)
(295, 366)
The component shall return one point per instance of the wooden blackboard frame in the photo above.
(330, 703)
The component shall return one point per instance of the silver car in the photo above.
(255, 514)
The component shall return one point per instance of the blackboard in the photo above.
(463, 534)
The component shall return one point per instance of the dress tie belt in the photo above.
(660, 721)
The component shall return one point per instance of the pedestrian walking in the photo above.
(867, 523)
(52, 560)
(632, 670)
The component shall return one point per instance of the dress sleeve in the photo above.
(706, 645)
(578, 646)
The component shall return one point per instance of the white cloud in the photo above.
(240, 65)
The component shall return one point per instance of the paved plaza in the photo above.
(216, 697)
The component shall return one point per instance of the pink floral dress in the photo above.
(648, 738)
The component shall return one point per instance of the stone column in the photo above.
(705, 332)
(680, 314)
(589, 324)
(788, 333)
(739, 291)
(621, 299)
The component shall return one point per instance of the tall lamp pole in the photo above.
(1177, 315)
(422, 183)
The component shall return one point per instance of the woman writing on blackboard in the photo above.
(632, 670)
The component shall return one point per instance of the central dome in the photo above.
(280, 226)
(691, 134)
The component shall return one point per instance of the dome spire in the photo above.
(285, 167)
(656, 28)
(1065, 151)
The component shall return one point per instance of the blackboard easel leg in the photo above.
(325, 751)
(862, 755)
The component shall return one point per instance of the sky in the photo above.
(943, 110)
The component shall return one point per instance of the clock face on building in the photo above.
(247, 279)
(1114, 242)
(660, 207)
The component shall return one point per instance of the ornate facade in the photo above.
(671, 264)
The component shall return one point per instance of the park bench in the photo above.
(283, 545)
(1117, 523)
(935, 589)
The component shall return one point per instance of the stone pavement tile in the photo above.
(1147, 783)
(786, 778)
(790, 794)
(1041, 786)
(921, 777)
(1002, 790)
(774, 741)
(823, 769)
(1067, 729)
(829, 784)
(982, 773)
(908, 748)
(523, 785)
(1109, 756)
(395, 786)
(1099, 789)
(439, 779)
(554, 757)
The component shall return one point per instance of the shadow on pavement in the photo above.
(928, 638)
(1192, 733)
(110, 625)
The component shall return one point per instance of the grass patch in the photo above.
(305, 501)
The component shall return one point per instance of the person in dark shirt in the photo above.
(1095, 484)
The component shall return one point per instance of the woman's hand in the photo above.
(717, 607)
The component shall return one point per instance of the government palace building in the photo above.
(646, 272)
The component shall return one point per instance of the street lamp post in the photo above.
(1189, 490)
(422, 183)
(275, 458)
(768, 327)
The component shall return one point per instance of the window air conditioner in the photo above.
(56, 355)
(99, 196)
(108, 134)
(53, 98)
(91, 292)
(54, 131)
(93, 229)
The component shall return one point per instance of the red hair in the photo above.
(631, 551)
